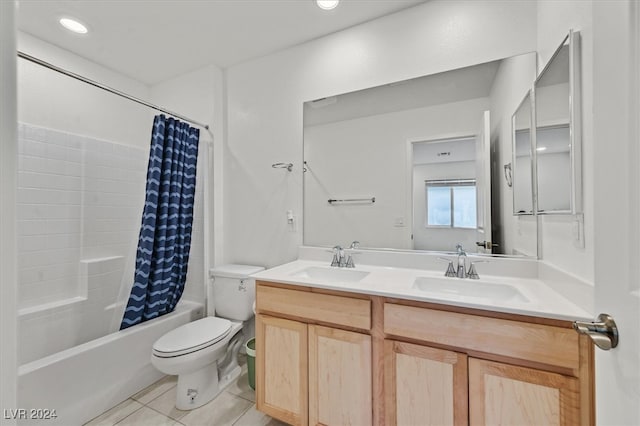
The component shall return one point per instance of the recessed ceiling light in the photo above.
(327, 4)
(73, 25)
(541, 148)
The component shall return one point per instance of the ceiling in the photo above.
(152, 41)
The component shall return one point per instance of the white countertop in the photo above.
(539, 300)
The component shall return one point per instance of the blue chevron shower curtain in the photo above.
(165, 235)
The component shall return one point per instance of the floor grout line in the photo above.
(147, 404)
(159, 412)
(134, 411)
(242, 397)
(242, 415)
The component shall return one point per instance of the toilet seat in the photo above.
(192, 337)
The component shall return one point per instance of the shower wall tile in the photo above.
(78, 198)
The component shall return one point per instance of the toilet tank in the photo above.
(232, 291)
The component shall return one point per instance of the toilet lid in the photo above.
(192, 336)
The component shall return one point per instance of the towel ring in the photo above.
(287, 166)
(507, 174)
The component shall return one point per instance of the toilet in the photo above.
(203, 353)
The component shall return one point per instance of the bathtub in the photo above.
(84, 381)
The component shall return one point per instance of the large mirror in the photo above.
(557, 138)
(408, 165)
(522, 163)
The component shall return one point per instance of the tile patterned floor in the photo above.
(155, 406)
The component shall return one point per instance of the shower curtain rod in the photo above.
(106, 88)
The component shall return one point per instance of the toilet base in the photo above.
(201, 386)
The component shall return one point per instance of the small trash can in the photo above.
(250, 346)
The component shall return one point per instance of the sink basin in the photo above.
(330, 274)
(472, 290)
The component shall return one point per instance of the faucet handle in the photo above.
(451, 271)
(352, 251)
(350, 263)
(473, 274)
(338, 253)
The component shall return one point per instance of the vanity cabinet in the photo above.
(424, 385)
(308, 370)
(508, 394)
(339, 377)
(332, 358)
(281, 367)
(514, 372)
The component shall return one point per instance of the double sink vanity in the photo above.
(394, 341)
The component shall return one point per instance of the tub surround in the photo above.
(392, 274)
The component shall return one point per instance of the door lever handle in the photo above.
(603, 332)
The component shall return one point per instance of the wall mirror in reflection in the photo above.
(557, 140)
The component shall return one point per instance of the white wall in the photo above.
(8, 178)
(559, 246)
(514, 78)
(265, 98)
(367, 157)
(52, 100)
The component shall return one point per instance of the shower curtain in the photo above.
(165, 234)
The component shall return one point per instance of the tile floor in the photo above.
(155, 406)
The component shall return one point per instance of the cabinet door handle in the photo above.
(603, 332)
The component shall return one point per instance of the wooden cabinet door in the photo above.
(281, 369)
(424, 386)
(509, 395)
(339, 377)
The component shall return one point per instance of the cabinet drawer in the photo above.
(306, 305)
(538, 343)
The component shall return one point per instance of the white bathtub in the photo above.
(83, 382)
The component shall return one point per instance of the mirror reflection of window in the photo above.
(451, 203)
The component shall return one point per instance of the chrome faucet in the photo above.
(340, 260)
(461, 271)
(462, 262)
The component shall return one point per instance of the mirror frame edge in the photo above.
(575, 129)
(529, 96)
